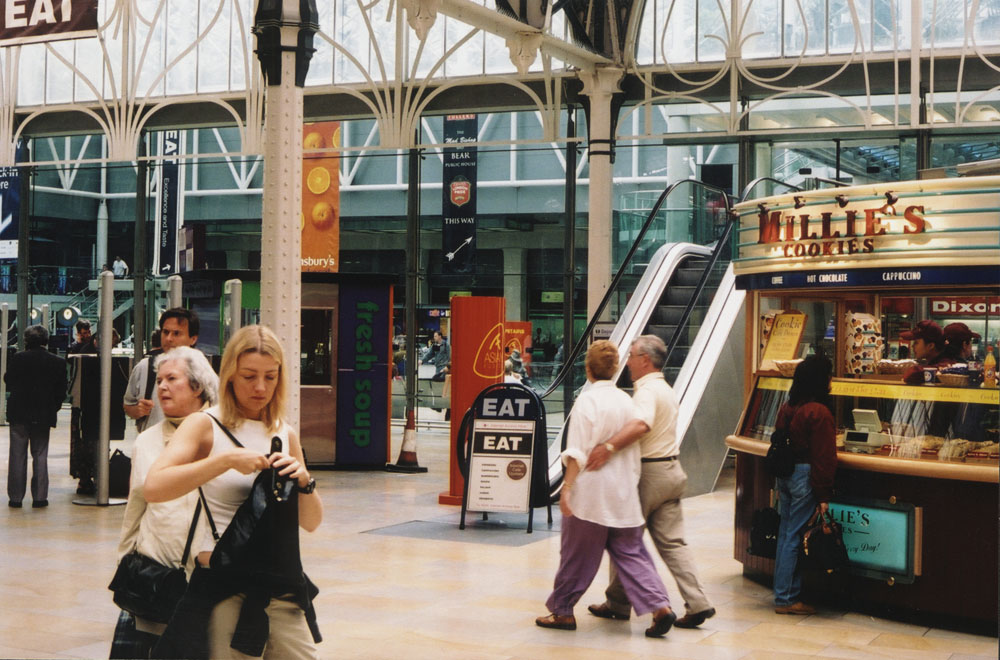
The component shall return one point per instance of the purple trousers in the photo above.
(582, 546)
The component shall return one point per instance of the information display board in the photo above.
(783, 343)
(883, 539)
(500, 465)
(503, 449)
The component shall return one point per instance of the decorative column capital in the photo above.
(602, 81)
(285, 26)
(421, 15)
(524, 49)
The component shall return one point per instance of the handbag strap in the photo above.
(190, 538)
(208, 514)
(226, 430)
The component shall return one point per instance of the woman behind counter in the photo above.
(185, 384)
(808, 489)
(252, 404)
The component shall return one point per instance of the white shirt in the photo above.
(228, 491)
(136, 389)
(609, 496)
(158, 530)
(656, 405)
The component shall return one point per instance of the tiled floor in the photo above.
(427, 590)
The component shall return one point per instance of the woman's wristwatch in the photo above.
(308, 488)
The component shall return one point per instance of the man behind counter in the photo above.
(927, 345)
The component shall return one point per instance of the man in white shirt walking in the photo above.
(661, 484)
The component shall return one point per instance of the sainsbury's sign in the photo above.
(28, 21)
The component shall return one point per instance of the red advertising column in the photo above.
(476, 361)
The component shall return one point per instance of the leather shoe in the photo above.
(604, 611)
(795, 608)
(556, 621)
(661, 624)
(14, 505)
(696, 619)
(39, 504)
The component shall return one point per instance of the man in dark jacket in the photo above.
(36, 380)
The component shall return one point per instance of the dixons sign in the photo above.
(27, 21)
(965, 306)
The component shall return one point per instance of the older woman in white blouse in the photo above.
(185, 384)
(601, 509)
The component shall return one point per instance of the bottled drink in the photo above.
(989, 369)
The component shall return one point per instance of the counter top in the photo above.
(906, 466)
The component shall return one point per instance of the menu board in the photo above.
(863, 343)
(783, 339)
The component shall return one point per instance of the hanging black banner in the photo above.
(166, 239)
(458, 206)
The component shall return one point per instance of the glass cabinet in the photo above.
(930, 422)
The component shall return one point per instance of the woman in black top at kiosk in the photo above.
(808, 489)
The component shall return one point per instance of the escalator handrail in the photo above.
(582, 341)
(761, 179)
(702, 281)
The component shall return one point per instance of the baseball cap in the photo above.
(959, 333)
(927, 330)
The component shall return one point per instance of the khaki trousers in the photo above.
(290, 638)
(660, 489)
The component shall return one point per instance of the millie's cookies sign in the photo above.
(905, 224)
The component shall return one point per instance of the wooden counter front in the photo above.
(957, 584)
(914, 467)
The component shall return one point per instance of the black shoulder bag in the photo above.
(780, 459)
(147, 588)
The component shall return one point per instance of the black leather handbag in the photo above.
(764, 526)
(147, 588)
(823, 544)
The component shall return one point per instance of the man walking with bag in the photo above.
(37, 383)
(661, 483)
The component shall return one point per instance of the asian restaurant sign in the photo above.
(29, 21)
(941, 222)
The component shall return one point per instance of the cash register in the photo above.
(866, 437)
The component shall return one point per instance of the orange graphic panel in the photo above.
(476, 362)
(320, 197)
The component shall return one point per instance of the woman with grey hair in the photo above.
(185, 384)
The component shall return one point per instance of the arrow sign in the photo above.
(451, 255)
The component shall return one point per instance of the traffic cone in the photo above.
(407, 461)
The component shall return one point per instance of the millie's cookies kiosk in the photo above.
(849, 271)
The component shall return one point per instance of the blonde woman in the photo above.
(252, 384)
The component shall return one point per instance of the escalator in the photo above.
(685, 295)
